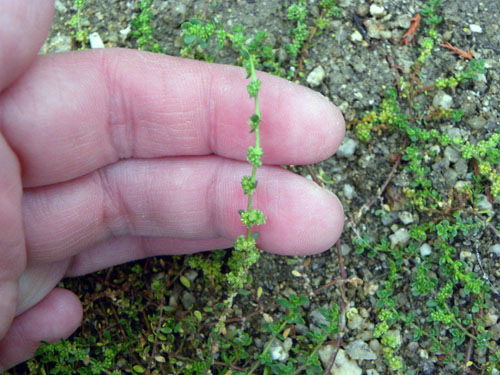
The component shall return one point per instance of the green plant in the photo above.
(141, 27)
(245, 251)
(79, 32)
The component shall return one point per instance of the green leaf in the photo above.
(244, 53)
(138, 369)
(189, 39)
(185, 281)
(186, 25)
(195, 21)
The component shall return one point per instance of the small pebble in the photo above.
(400, 237)
(347, 148)
(405, 217)
(451, 154)
(495, 249)
(359, 349)
(279, 350)
(349, 191)
(343, 365)
(485, 205)
(442, 99)
(316, 76)
(377, 11)
(356, 37)
(475, 28)
(425, 250)
(95, 41)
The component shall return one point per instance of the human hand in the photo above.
(113, 155)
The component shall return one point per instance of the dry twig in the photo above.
(457, 51)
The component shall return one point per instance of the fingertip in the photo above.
(302, 217)
(298, 124)
(55, 317)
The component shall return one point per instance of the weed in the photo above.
(79, 32)
(141, 27)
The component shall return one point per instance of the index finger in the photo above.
(74, 113)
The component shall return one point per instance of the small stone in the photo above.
(347, 148)
(188, 300)
(403, 21)
(491, 319)
(451, 154)
(316, 76)
(374, 28)
(372, 372)
(354, 321)
(191, 275)
(405, 217)
(370, 288)
(495, 249)
(475, 28)
(422, 353)
(279, 350)
(343, 365)
(485, 205)
(349, 191)
(359, 349)
(60, 7)
(377, 11)
(375, 346)
(461, 168)
(362, 9)
(388, 218)
(317, 318)
(346, 249)
(59, 43)
(476, 122)
(356, 37)
(400, 237)
(95, 41)
(442, 99)
(425, 250)
(179, 13)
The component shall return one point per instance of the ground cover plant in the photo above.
(412, 286)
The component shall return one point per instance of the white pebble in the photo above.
(377, 10)
(400, 237)
(405, 217)
(495, 249)
(95, 41)
(425, 250)
(442, 99)
(349, 191)
(475, 28)
(316, 76)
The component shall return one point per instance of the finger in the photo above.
(127, 248)
(24, 24)
(82, 111)
(12, 246)
(37, 281)
(190, 198)
(56, 317)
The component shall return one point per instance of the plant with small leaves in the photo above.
(142, 30)
(79, 32)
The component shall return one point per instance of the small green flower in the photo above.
(244, 244)
(253, 156)
(253, 88)
(252, 217)
(248, 184)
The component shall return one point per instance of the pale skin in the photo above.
(115, 155)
